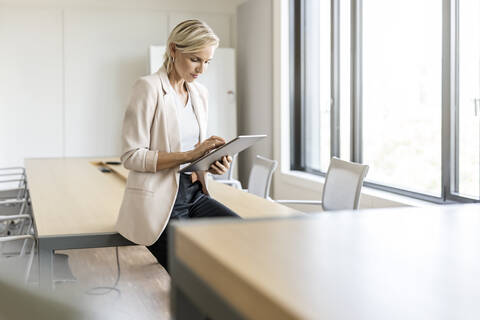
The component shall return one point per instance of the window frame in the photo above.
(449, 99)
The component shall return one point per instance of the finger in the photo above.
(229, 159)
(219, 143)
(214, 169)
(212, 146)
(220, 166)
(226, 164)
(217, 139)
(214, 143)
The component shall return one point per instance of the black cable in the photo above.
(102, 290)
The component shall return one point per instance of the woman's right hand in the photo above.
(206, 146)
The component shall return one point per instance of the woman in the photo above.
(163, 130)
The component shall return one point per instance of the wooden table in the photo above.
(75, 205)
(409, 263)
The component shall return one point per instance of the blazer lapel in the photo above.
(173, 127)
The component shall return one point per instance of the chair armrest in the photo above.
(13, 238)
(13, 168)
(312, 202)
(12, 201)
(12, 190)
(12, 180)
(14, 217)
(233, 183)
(12, 174)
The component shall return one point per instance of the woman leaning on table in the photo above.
(164, 128)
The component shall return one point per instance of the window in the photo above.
(468, 98)
(393, 84)
(317, 85)
(401, 93)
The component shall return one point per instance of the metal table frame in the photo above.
(48, 244)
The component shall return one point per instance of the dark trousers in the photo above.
(191, 203)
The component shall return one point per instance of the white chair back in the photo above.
(343, 185)
(261, 176)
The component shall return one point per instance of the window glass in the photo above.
(468, 97)
(401, 97)
(317, 84)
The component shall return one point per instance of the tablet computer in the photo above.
(235, 146)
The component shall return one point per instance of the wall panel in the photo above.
(30, 84)
(105, 52)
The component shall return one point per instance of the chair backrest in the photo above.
(343, 184)
(229, 174)
(261, 176)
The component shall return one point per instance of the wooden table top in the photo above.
(72, 196)
(414, 263)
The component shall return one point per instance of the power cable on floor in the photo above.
(103, 290)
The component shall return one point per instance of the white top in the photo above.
(189, 129)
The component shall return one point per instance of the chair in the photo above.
(14, 204)
(18, 263)
(260, 176)
(12, 171)
(227, 178)
(13, 188)
(10, 175)
(343, 184)
(16, 230)
(14, 201)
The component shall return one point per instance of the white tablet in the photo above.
(235, 146)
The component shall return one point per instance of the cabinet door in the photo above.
(30, 84)
(220, 82)
(106, 51)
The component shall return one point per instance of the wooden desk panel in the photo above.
(243, 203)
(414, 263)
(72, 196)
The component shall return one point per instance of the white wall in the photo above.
(67, 67)
(254, 79)
(31, 99)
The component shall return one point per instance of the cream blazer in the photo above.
(151, 125)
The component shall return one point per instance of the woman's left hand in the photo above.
(220, 167)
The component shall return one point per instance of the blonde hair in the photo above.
(189, 36)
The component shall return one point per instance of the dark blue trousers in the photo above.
(191, 203)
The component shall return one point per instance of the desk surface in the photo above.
(379, 264)
(70, 196)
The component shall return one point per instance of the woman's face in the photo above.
(189, 66)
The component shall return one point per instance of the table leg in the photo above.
(182, 307)
(45, 266)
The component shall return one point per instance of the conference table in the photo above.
(395, 263)
(75, 205)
